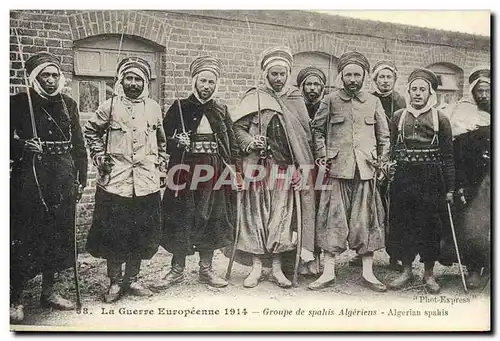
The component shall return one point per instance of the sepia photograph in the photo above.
(250, 170)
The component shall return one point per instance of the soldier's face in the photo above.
(132, 85)
(352, 77)
(277, 77)
(419, 93)
(385, 80)
(312, 88)
(49, 78)
(482, 95)
(205, 84)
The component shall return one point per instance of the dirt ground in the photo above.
(93, 285)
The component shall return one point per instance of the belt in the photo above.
(56, 147)
(418, 156)
(204, 144)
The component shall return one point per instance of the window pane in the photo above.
(89, 96)
(109, 89)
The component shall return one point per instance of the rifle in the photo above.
(75, 266)
(105, 167)
(33, 123)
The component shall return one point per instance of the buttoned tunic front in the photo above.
(352, 133)
(127, 215)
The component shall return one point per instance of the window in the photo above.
(95, 67)
(323, 61)
(450, 83)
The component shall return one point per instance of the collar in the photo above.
(360, 96)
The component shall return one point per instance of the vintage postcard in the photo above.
(250, 170)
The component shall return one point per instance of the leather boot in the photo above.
(328, 277)
(49, 298)
(277, 276)
(473, 279)
(207, 274)
(131, 284)
(174, 276)
(253, 278)
(115, 290)
(403, 279)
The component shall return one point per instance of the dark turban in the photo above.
(135, 63)
(425, 74)
(276, 55)
(41, 58)
(310, 71)
(353, 57)
(480, 72)
(205, 63)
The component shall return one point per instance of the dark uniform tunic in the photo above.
(391, 103)
(418, 192)
(199, 219)
(43, 240)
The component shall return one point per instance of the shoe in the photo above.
(115, 292)
(431, 285)
(378, 287)
(281, 282)
(319, 285)
(208, 276)
(174, 276)
(395, 266)
(55, 301)
(473, 280)
(399, 282)
(136, 289)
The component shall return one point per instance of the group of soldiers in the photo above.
(362, 147)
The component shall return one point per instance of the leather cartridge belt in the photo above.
(418, 156)
(56, 147)
(204, 144)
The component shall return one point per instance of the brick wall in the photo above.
(185, 35)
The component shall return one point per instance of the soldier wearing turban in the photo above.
(351, 138)
(311, 81)
(127, 145)
(200, 217)
(424, 179)
(273, 134)
(47, 168)
(471, 127)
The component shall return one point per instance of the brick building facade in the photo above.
(87, 43)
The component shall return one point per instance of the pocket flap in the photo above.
(370, 120)
(337, 119)
(331, 153)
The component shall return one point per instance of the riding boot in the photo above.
(131, 284)
(115, 290)
(207, 274)
(174, 276)
(49, 298)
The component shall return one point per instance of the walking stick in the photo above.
(456, 247)
(75, 266)
(299, 238)
(237, 236)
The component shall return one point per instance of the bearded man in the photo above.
(351, 142)
(201, 216)
(127, 145)
(273, 133)
(311, 82)
(471, 127)
(47, 168)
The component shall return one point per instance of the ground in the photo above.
(191, 294)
